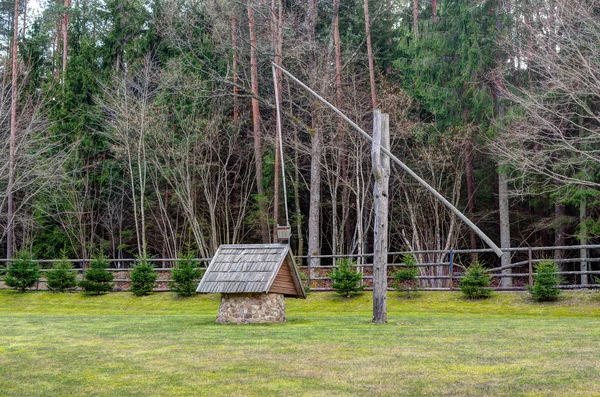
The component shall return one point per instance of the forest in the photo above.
(147, 128)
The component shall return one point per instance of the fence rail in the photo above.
(576, 270)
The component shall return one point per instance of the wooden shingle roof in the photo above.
(252, 268)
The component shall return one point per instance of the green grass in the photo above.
(437, 344)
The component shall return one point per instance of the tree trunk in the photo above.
(415, 17)
(434, 11)
(13, 135)
(264, 227)
(341, 132)
(503, 207)
(503, 204)
(235, 69)
(370, 55)
(559, 232)
(24, 20)
(277, 19)
(583, 240)
(381, 173)
(65, 39)
(470, 189)
(314, 225)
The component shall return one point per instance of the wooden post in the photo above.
(451, 270)
(530, 267)
(381, 172)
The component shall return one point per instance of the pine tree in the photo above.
(346, 282)
(545, 286)
(406, 278)
(23, 272)
(97, 279)
(186, 276)
(61, 277)
(143, 278)
(475, 282)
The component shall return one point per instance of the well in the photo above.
(251, 308)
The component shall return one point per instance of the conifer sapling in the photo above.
(475, 282)
(346, 282)
(545, 284)
(23, 272)
(97, 279)
(405, 279)
(143, 278)
(61, 277)
(186, 276)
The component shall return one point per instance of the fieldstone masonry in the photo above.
(251, 308)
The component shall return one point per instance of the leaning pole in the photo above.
(379, 146)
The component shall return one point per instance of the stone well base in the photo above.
(251, 308)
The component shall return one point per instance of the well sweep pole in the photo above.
(427, 186)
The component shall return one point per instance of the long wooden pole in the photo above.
(396, 160)
(381, 173)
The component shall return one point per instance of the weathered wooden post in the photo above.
(381, 172)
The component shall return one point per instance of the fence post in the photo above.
(83, 269)
(451, 270)
(309, 269)
(530, 267)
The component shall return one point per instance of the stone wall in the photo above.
(251, 308)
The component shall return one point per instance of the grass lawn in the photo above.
(437, 344)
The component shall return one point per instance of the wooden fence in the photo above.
(576, 263)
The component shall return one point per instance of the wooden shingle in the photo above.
(252, 268)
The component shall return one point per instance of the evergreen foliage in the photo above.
(97, 279)
(545, 284)
(446, 68)
(475, 282)
(143, 278)
(346, 281)
(405, 279)
(23, 272)
(186, 276)
(62, 277)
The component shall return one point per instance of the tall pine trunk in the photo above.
(264, 227)
(65, 39)
(277, 42)
(415, 17)
(370, 55)
(235, 69)
(470, 189)
(314, 212)
(13, 135)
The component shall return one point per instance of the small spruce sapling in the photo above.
(97, 279)
(405, 279)
(62, 277)
(545, 284)
(23, 272)
(305, 279)
(475, 282)
(346, 282)
(186, 276)
(143, 278)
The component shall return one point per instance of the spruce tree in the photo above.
(405, 279)
(186, 276)
(97, 279)
(346, 282)
(143, 278)
(23, 272)
(475, 282)
(61, 277)
(545, 285)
